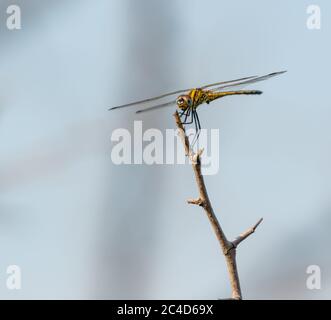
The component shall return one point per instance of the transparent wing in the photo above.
(150, 99)
(247, 81)
(177, 92)
(227, 82)
(159, 106)
(219, 86)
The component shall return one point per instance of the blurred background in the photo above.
(81, 227)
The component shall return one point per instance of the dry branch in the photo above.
(229, 248)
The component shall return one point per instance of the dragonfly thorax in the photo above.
(184, 101)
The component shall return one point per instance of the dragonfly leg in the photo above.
(190, 114)
(182, 113)
(187, 115)
(199, 125)
(197, 128)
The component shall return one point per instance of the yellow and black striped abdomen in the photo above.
(211, 96)
(200, 96)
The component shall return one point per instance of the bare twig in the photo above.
(228, 247)
(246, 234)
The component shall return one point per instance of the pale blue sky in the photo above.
(81, 227)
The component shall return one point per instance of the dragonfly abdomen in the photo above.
(211, 96)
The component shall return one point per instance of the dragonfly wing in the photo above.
(219, 86)
(248, 81)
(229, 82)
(177, 92)
(159, 106)
(150, 99)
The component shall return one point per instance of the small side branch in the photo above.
(228, 247)
(246, 234)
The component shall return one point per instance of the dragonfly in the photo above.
(188, 100)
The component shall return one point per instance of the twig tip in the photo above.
(257, 223)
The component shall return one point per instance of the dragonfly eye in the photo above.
(180, 101)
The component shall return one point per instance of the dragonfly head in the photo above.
(184, 102)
